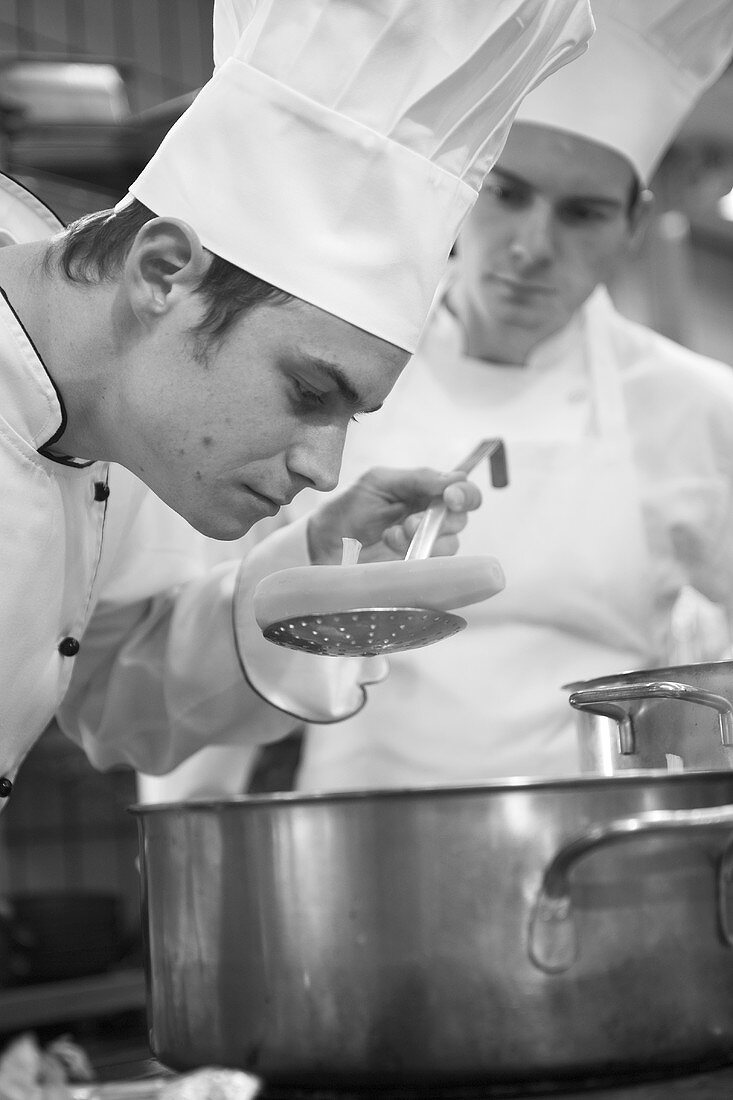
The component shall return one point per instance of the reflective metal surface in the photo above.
(429, 527)
(364, 632)
(679, 716)
(708, 1085)
(715, 1084)
(382, 940)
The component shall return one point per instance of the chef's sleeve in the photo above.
(689, 490)
(309, 687)
(160, 675)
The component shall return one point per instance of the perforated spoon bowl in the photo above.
(365, 631)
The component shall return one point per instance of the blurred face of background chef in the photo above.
(555, 218)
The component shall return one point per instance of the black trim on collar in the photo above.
(66, 460)
(63, 460)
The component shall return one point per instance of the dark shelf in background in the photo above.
(77, 999)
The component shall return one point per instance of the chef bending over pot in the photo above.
(209, 339)
(619, 442)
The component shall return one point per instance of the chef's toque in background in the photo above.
(340, 143)
(647, 65)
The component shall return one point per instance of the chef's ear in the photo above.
(640, 215)
(166, 261)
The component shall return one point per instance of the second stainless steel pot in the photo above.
(446, 936)
(680, 716)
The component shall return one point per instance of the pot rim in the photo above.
(656, 777)
(662, 672)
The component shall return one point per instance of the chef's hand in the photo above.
(383, 509)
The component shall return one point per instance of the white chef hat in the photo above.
(340, 143)
(647, 65)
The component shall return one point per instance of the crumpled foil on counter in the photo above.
(31, 1072)
(211, 1083)
(62, 1071)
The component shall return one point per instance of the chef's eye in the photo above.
(580, 213)
(307, 397)
(505, 193)
(312, 400)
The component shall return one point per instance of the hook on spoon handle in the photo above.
(498, 465)
(494, 449)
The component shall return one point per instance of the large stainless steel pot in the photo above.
(449, 936)
(680, 716)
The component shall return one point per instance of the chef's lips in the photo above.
(381, 607)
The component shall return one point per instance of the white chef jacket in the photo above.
(620, 455)
(110, 613)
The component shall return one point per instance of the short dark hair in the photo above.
(93, 249)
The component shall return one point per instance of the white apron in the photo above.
(580, 598)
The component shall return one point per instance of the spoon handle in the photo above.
(427, 532)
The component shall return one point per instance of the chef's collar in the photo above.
(28, 395)
(29, 392)
(543, 356)
(550, 351)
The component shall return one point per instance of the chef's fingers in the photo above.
(445, 546)
(452, 523)
(397, 540)
(414, 489)
(459, 497)
(399, 536)
(462, 496)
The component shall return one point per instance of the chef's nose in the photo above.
(317, 457)
(533, 243)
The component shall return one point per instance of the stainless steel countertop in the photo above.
(715, 1084)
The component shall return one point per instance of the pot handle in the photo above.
(552, 939)
(608, 702)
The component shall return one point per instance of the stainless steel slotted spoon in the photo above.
(370, 631)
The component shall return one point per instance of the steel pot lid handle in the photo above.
(608, 702)
(552, 939)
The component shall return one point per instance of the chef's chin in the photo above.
(229, 526)
(224, 526)
(532, 312)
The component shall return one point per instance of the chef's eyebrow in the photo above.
(595, 200)
(352, 398)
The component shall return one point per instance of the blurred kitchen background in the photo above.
(88, 88)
